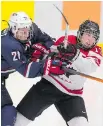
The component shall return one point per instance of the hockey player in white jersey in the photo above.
(62, 89)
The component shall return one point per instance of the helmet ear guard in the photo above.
(88, 27)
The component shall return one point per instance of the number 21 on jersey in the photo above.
(16, 55)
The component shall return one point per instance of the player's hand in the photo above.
(69, 53)
(53, 67)
(38, 52)
(41, 48)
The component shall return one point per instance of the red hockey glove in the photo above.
(39, 51)
(53, 67)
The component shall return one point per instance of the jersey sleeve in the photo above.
(18, 61)
(59, 41)
(89, 63)
(41, 36)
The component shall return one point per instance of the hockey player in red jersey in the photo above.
(64, 90)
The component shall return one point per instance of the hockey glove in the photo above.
(39, 51)
(54, 67)
(69, 53)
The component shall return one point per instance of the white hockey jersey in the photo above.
(87, 62)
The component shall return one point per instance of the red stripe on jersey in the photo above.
(80, 91)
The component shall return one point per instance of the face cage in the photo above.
(94, 32)
(79, 34)
(31, 32)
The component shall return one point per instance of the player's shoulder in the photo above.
(60, 40)
(71, 39)
(35, 27)
(97, 50)
(9, 43)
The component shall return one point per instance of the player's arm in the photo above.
(90, 63)
(41, 36)
(87, 64)
(19, 62)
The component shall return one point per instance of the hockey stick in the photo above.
(81, 74)
(65, 45)
(74, 72)
(67, 28)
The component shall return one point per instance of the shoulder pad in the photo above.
(72, 39)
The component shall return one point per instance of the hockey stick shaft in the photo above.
(67, 27)
(82, 74)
